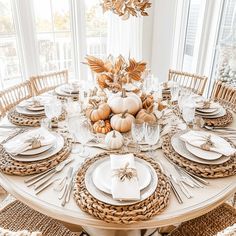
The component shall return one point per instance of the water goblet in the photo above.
(188, 111)
(152, 135)
(137, 132)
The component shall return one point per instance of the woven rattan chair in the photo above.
(224, 94)
(12, 96)
(17, 216)
(209, 224)
(47, 82)
(195, 82)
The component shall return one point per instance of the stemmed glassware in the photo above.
(53, 109)
(80, 128)
(188, 111)
(137, 132)
(152, 135)
(174, 90)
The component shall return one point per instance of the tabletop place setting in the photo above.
(114, 132)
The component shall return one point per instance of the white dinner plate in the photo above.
(59, 143)
(103, 173)
(24, 111)
(221, 112)
(37, 108)
(180, 147)
(59, 90)
(107, 198)
(67, 89)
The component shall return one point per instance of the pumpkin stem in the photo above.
(114, 134)
(101, 123)
(124, 114)
(93, 103)
(123, 95)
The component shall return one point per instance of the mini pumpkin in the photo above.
(102, 126)
(146, 115)
(97, 112)
(122, 122)
(114, 140)
(123, 101)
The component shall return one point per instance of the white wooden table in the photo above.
(204, 200)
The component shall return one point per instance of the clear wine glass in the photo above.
(53, 109)
(81, 130)
(152, 135)
(137, 132)
(174, 90)
(188, 111)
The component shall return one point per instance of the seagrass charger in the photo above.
(125, 214)
(194, 82)
(12, 96)
(47, 82)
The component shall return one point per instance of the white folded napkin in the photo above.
(20, 143)
(128, 189)
(205, 104)
(198, 138)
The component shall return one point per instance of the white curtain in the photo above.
(125, 36)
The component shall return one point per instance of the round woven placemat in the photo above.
(140, 211)
(221, 121)
(33, 121)
(13, 167)
(208, 171)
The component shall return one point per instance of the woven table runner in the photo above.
(208, 171)
(33, 121)
(13, 167)
(140, 211)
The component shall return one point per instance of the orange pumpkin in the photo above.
(102, 126)
(146, 115)
(97, 112)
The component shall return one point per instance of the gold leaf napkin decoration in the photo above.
(35, 142)
(208, 144)
(125, 173)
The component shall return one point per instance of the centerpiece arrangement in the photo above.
(121, 105)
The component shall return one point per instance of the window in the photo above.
(192, 33)
(10, 65)
(96, 29)
(53, 35)
(224, 34)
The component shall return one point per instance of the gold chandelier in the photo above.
(126, 8)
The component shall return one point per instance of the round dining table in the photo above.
(204, 199)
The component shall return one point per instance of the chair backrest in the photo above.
(195, 82)
(12, 96)
(47, 82)
(224, 94)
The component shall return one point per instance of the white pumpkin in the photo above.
(122, 122)
(121, 102)
(114, 140)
